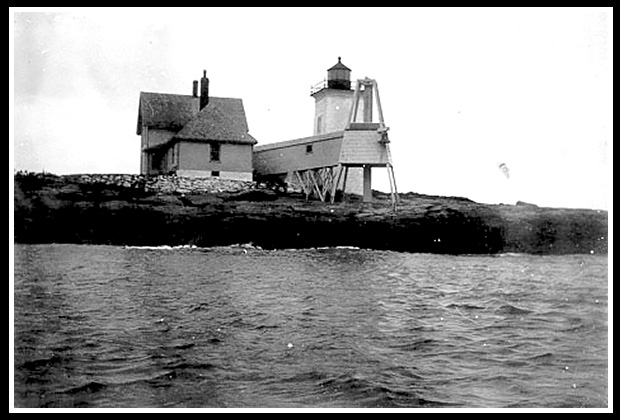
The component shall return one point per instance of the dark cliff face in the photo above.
(58, 209)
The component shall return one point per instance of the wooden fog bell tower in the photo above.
(365, 143)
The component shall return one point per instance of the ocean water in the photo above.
(104, 326)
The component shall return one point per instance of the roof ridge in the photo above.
(222, 119)
(219, 121)
(166, 94)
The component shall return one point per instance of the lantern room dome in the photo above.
(339, 76)
(339, 66)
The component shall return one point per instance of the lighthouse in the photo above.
(333, 98)
(346, 144)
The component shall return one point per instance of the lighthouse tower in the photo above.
(347, 144)
(333, 99)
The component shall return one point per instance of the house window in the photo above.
(319, 124)
(215, 173)
(309, 149)
(215, 152)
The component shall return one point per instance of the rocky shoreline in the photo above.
(135, 210)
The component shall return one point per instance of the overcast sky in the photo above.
(462, 90)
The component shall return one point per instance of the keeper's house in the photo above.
(195, 136)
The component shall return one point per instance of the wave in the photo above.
(543, 357)
(511, 310)
(416, 345)
(245, 247)
(42, 363)
(162, 380)
(183, 346)
(183, 365)
(312, 376)
(89, 387)
(367, 393)
(183, 371)
(161, 247)
(464, 306)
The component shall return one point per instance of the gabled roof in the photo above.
(166, 111)
(222, 119)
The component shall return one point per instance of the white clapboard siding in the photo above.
(362, 147)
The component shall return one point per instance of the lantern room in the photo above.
(339, 76)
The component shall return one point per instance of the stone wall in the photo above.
(166, 183)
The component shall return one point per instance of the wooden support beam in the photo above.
(335, 177)
(328, 180)
(303, 184)
(391, 188)
(394, 181)
(316, 185)
(309, 183)
(379, 109)
(321, 174)
(323, 180)
(390, 167)
(323, 177)
(344, 182)
(367, 98)
(356, 98)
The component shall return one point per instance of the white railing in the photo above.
(318, 86)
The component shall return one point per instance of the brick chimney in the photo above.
(204, 90)
(195, 89)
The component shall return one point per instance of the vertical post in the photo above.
(367, 184)
(335, 184)
(392, 187)
(316, 185)
(393, 190)
(303, 184)
(344, 182)
(394, 181)
(390, 168)
(326, 182)
(381, 122)
(367, 96)
(354, 105)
